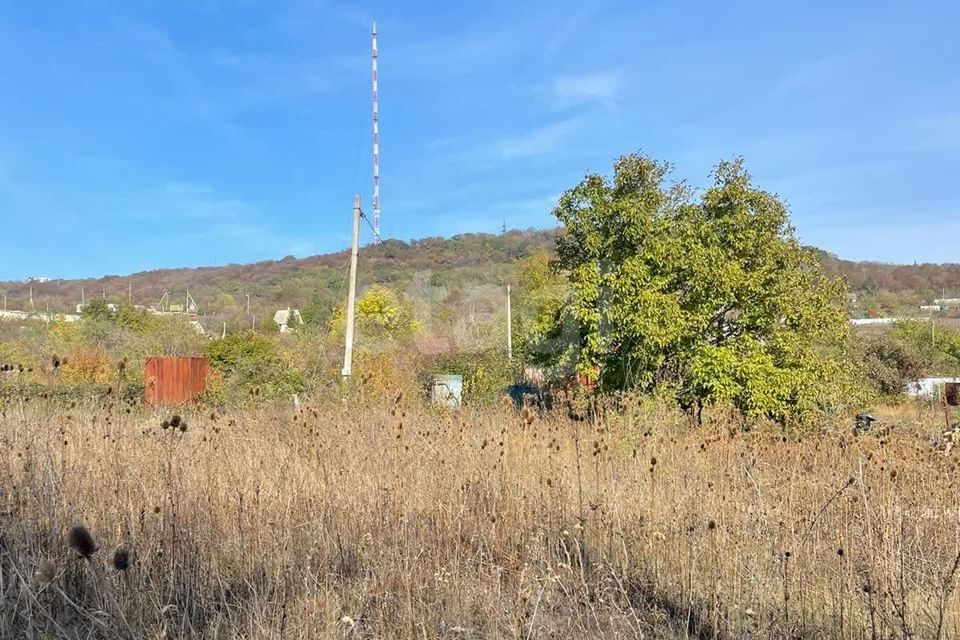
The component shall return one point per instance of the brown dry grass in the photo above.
(394, 521)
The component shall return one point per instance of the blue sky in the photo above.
(147, 134)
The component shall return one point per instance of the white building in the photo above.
(928, 387)
(870, 321)
(285, 317)
(38, 315)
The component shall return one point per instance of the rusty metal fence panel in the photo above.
(951, 393)
(174, 380)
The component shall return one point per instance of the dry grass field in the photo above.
(346, 520)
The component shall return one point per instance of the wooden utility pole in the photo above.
(352, 295)
(509, 327)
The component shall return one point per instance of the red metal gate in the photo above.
(174, 380)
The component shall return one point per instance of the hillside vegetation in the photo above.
(311, 284)
(314, 283)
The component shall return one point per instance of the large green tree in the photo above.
(711, 295)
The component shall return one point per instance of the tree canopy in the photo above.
(381, 313)
(713, 295)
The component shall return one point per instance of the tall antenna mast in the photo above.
(376, 140)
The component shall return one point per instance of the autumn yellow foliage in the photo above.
(87, 365)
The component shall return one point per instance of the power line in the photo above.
(410, 274)
(346, 274)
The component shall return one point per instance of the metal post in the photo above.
(352, 295)
(933, 335)
(248, 304)
(509, 327)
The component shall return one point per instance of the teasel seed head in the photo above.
(81, 541)
(121, 558)
(46, 573)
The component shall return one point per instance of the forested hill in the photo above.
(460, 267)
(315, 283)
(878, 276)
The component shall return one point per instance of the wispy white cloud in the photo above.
(220, 221)
(191, 202)
(598, 87)
(575, 22)
(579, 96)
(455, 54)
(176, 70)
(260, 80)
(219, 86)
(298, 17)
(540, 141)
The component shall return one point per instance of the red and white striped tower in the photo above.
(376, 142)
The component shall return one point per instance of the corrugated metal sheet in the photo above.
(174, 380)
(951, 393)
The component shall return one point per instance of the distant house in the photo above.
(931, 307)
(947, 302)
(285, 317)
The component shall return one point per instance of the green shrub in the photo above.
(486, 374)
(890, 363)
(251, 364)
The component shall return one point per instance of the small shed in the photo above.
(174, 380)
